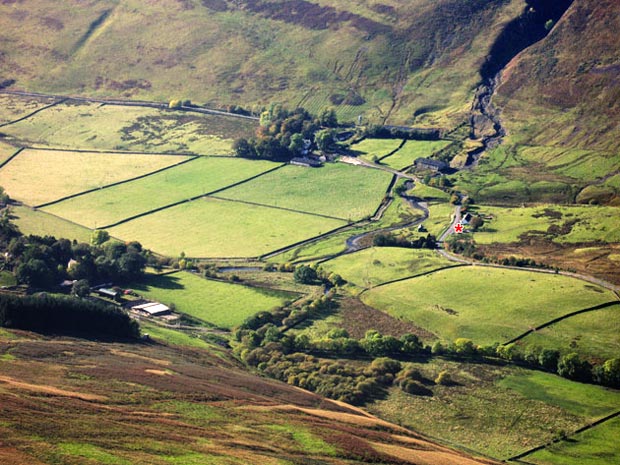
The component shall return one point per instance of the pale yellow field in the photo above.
(38, 176)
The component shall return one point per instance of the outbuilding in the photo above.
(152, 309)
(430, 164)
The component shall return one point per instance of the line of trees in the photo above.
(390, 240)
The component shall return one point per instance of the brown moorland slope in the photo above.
(71, 401)
(575, 72)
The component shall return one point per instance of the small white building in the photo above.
(152, 309)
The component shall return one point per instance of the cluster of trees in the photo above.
(294, 361)
(264, 343)
(66, 315)
(44, 262)
(311, 274)
(390, 240)
(281, 133)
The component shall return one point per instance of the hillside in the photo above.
(72, 401)
(398, 61)
(559, 103)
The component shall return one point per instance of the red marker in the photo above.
(458, 228)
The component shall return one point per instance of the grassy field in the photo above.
(497, 411)
(38, 176)
(377, 265)
(412, 150)
(197, 177)
(13, 107)
(371, 149)
(591, 223)
(398, 212)
(218, 228)
(573, 162)
(6, 151)
(222, 304)
(36, 222)
(593, 334)
(337, 190)
(456, 303)
(109, 127)
(171, 336)
(597, 446)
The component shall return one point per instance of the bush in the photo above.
(444, 378)
(305, 275)
(572, 367)
(415, 388)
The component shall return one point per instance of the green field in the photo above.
(218, 228)
(336, 190)
(39, 223)
(499, 411)
(39, 176)
(222, 304)
(172, 336)
(484, 304)
(577, 163)
(398, 212)
(597, 446)
(592, 334)
(371, 149)
(412, 150)
(593, 223)
(191, 179)
(92, 126)
(377, 265)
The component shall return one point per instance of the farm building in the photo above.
(430, 164)
(152, 309)
(109, 293)
(305, 161)
(465, 219)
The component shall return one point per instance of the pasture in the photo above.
(222, 304)
(484, 304)
(93, 126)
(596, 446)
(39, 176)
(6, 151)
(338, 190)
(39, 223)
(570, 224)
(499, 411)
(413, 149)
(218, 228)
(576, 163)
(376, 265)
(592, 334)
(197, 177)
(13, 107)
(371, 149)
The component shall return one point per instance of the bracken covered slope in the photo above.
(71, 401)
